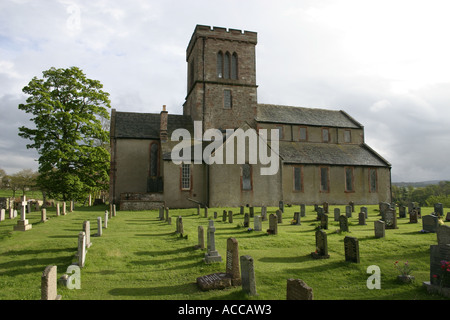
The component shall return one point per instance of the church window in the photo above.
(234, 66)
(303, 134)
(154, 159)
(226, 66)
(298, 179)
(373, 183)
(347, 136)
(185, 176)
(246, 177)
(325, 135)
(349, 179)
(219, 65)
(227, 99)
(324, 179)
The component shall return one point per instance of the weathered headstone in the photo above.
(348, 211)
(273, 224)
(379, 227)
(161, 213)
(443, 234)
(246, 220)
(212, 255)
(201, 238)
(198, 210)
(447, 218)
(251, 210)
(343, 223)
(224, 216)
(302, 210)
(72, 205)
(230, 216)
(87, 232)
(390, 218)
(281, 206)
(22, 224)
(413, 216)
(44, 215)
(58, 210)
(438, 254)
(248, 275)
(264, 213)
(321, 246)
(114, 212)
(362, 218)
(49, 284)
(402, 211)
(257, 221)
(430, 223)
(324, 221)
(241, 210)
(219, 280)
(105, 222)
(297, 218)
(232, 264)
(180, 226)
(325, 207)
(2, 214)
(297, 289)
(439, 209)
(11, 213)
(99, 227)
(81, 249)
(351, 246)
(205, 212)
(337, 214)
(319, 213)
(215, 214)
(352, 205)
(279, 216)
(365, 211)
(64, 209)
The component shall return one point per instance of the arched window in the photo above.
(219, 65)
(234, 66)
(226, 66)
(154, 159)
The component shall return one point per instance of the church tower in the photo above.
(221, 77)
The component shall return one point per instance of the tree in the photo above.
(67, 109)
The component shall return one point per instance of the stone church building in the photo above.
(321, 154)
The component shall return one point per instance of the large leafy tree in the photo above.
(68, 110)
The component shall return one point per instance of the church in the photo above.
(317, 155)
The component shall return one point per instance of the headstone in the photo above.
(64, 209)
(58, 210)
(352, 205)
(302, 210)
(241, 210)
(11, 213)
(390, 218)
(251, 211)
(214, 281)
(264, 213)
(343, 223)
(298, 290)
(257, 221)
(438, 253)
(166, 217)
(49, 284)
(22, 224)
(206, 212)
(319, 213)
(161, 213)
(379, 227)
(279, 216)
(365, 211)
(71, 206)
(230, 216)
(2, 214)
(215, 214)
(201, 238)
(232, 265)
(324, 221)
(413, 216)
(447, 218)
(351, 246)
(297, 218)
(439, 209)
(106, 220)
(99, 227)
(348, 211)
(273, 224)
(90, 200)
(402, 211)
(321, 246)
(212, 255)
(81, 249)
(383, 206)
(337, 214)
(87, 232)
(430, 223)
(44, 215)
(224, 216)
(325, 207)
(443, 234)
(180, 226)
(246, 220)
(362, 218)
(281, 206)
(248, 275)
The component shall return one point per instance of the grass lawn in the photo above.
(140, 257)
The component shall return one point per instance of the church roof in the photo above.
(305, 116)
(135, 125)
(330, 154)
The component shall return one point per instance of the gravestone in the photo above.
(215, 214)
(22, 224)
(337, 214)
(324, 221)
(198, 210)
(252, 211)
(297, 218)
(241, 210)
(325, 207)
(212, 255)
(430, 223)
(297, 289)
(348, 211)
(99, 227)
(273, 224)
(161, 213)
(180, 227)
(447, 218)
(58, 210)
(379, 227)
(257, 221)
(443, 234)
(264, 213)
(230, 216)
(438, 253)
(351, 246)
(219, 280)
(44, 215)
(302, 210)
(11, 213)
(352, 205)
(81, 249)
(232, 264)
(49, 284)
(402, 211)
(205, 212)
(2, 214)
(413, 216)
(248, 275)
(319, 213)
(365, 211)
(201, 238)
(105, 222)
(166, 216)
(390, 218)
(439, 209)
(246, 220)
(362, 218)
(87, 232)
(64, 209)
(280, 216)
(343, 223)
(224, 216)
(281, 206)
(321, 246)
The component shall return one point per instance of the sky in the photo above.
(386, 63)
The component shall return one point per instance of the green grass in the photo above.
(139, 257)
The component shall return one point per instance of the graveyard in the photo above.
(149, 255)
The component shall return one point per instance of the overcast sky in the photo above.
(386, 63)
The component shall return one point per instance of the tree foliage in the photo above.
(424, 196)
(68, 109)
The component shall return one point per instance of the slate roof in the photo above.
(305, 116)
(135, 125)
(330, 154)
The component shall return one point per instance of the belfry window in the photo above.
(227, 65)
(219, 64)
(234, 70)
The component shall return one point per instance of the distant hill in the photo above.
(417, 184)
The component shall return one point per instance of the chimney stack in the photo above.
(163, 124)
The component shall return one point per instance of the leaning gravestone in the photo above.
(430, 223)
(248, 275)
(297, 289)
(379, 227)
(49, 284)
(343, 223)
(273, 224)
(321, 246)
(443, 234)
(351, 246)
